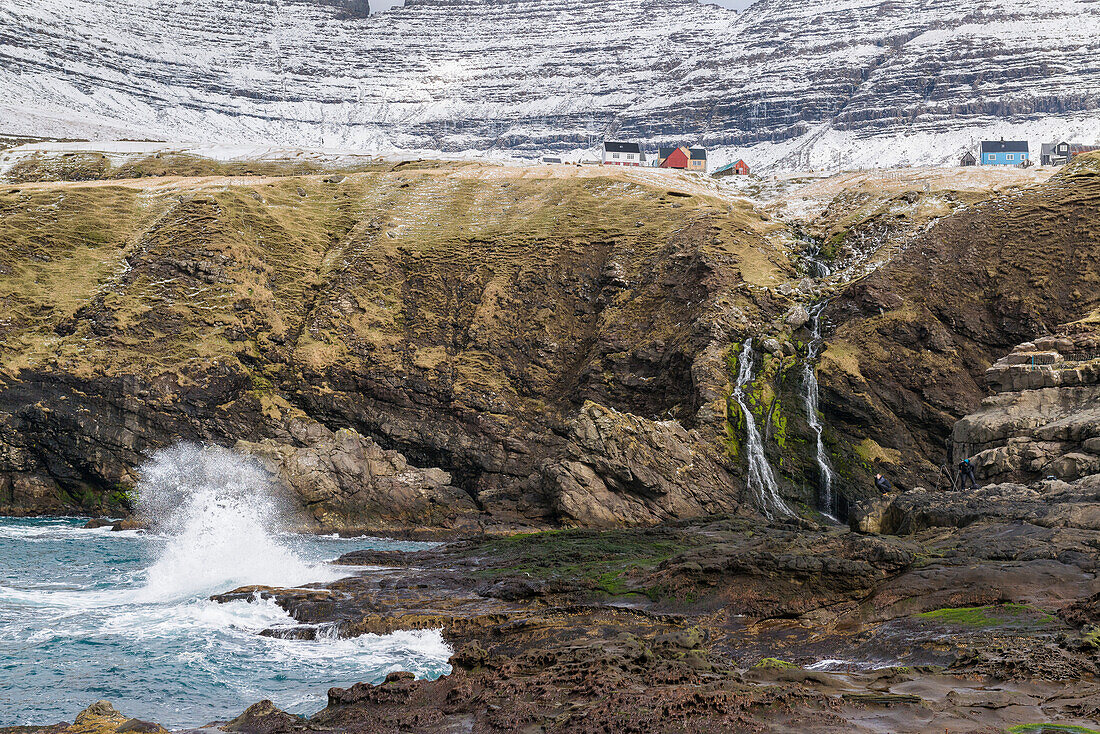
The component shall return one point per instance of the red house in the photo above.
(740, 168)
(674, 157)
(683, 157)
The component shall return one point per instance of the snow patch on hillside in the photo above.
(787, 84)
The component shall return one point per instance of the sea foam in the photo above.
(222, 524)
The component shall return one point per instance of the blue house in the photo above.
(1004, 152)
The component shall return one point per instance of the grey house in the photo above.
(1059, 154)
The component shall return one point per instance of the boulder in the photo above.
(345, 480)
(263, 718)
(103, 718)
(140, 727)
(797, 317)
(129, 523)
(623, 469)
(874, 516)
(98, 712)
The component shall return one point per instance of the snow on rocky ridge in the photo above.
(793, 83)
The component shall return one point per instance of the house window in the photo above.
(1009, 157)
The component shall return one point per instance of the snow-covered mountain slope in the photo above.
(807, 83)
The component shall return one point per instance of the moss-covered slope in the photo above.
(914, 339)
(459, 315)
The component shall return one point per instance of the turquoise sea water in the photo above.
(91, 614)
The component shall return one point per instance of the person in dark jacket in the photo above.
(883, 484)
(966, 473)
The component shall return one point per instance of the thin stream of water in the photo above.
(827, 502)
(761, 479)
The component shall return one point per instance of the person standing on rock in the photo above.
(966, 473)
(883, 484)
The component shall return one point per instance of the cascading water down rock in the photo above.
(826, 501)
(761, 479)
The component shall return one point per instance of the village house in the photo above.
(1004, 152)
(672, 157)
(698, 160)
(1059, 154)
(684, 158)
(1046, 154)
(622, 154)
(968, 159)
(737, 168)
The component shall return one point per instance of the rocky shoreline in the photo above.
(959, 610)
(549, 386)
(729, 624)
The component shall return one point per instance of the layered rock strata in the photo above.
(872, 82)
(1044, 417)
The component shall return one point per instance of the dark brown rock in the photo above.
(139, 727)
(347, 480)
(912, 342)
(263, 718)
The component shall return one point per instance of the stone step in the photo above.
(1015, 378)
(1031, 358)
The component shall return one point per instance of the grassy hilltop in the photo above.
(389, 300)
(465, 314)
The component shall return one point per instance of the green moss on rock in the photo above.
(774, 664)
(992, 615)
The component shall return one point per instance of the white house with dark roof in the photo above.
(622, 154)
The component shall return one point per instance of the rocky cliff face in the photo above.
(913, 340)
(1044, 418)
(402, 348)
(804, 83)
(617, 469)
(1034, 443)
(455, 346)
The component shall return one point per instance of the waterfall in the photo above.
(826, 501)
(761, 479)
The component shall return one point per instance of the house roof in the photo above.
(665, 152)
(698, 154)
(618, 147)
(731, 166)
(1071, 147)
(1004, 146)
